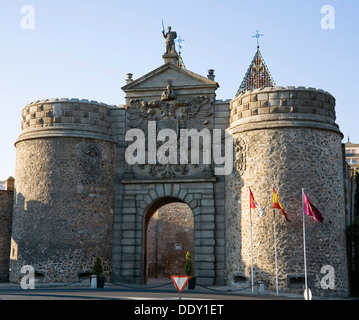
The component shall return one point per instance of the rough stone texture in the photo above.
(63, 210)
(170, 236)
(76, 196)
(141, 190)
(290, 155)
(141, 199)
(66, 117)
(6, 204)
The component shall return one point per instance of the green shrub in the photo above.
(97, 267)
(188, 267)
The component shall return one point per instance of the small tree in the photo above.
(97, 267)
(356, 196)
(188, 267)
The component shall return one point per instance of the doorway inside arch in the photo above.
(169, 236)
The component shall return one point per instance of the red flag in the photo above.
(252, 202)
(310, 210)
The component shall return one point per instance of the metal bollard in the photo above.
(261, 287)
(93, 282)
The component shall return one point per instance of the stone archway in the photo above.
(168, 235)
(141, 198)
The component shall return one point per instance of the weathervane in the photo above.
(179, 40)
(258, 36)
(180, 60)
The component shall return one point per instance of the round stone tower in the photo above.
(63, 210)
(286, 137)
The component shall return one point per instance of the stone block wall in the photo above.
(141, 190)
(221, 121)
(66, 117)
(170, 236)
(6, 207)
(283, 100)
(141, 199)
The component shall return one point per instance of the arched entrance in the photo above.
(141, 199)
(168, 235)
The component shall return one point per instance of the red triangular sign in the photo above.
(180, 282)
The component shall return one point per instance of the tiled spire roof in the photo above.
(257, 75)
(180, 62)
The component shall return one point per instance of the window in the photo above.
(239, 278)
(295, 282)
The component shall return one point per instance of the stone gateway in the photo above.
(76, 197)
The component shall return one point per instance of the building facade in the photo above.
(82, 188)
(352, 154)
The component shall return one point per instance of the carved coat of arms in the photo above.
(169, 113)
(240, 149)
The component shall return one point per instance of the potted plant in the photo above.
(189, 270)
(98, 272)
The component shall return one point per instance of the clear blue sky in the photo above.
(84, 48)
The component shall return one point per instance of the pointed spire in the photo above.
(257, 75)
(180, 62)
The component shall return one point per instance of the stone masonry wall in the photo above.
(140, 201)
(141, 190)
(63, 210)
(170, 236)
(64, 207)
(290, 148)
(76, 197)
(6, 204)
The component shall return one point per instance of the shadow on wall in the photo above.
(6, 207)
(59, 251)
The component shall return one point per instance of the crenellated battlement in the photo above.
(71, 117)
(315, 107)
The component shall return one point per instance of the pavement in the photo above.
(157, 299)
(155, 289)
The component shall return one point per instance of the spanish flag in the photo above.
(278, 205)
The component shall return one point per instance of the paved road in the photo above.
(146, 302)
(159, 303)
(116, 292)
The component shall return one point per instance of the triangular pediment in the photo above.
(160, 77)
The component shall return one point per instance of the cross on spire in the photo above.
(257, 75)
(179, 40)
(180, 60)
(258, 36)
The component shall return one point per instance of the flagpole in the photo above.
(305, 256)
(250, 226)
(275, 252)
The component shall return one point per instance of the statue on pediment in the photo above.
(170, 37)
